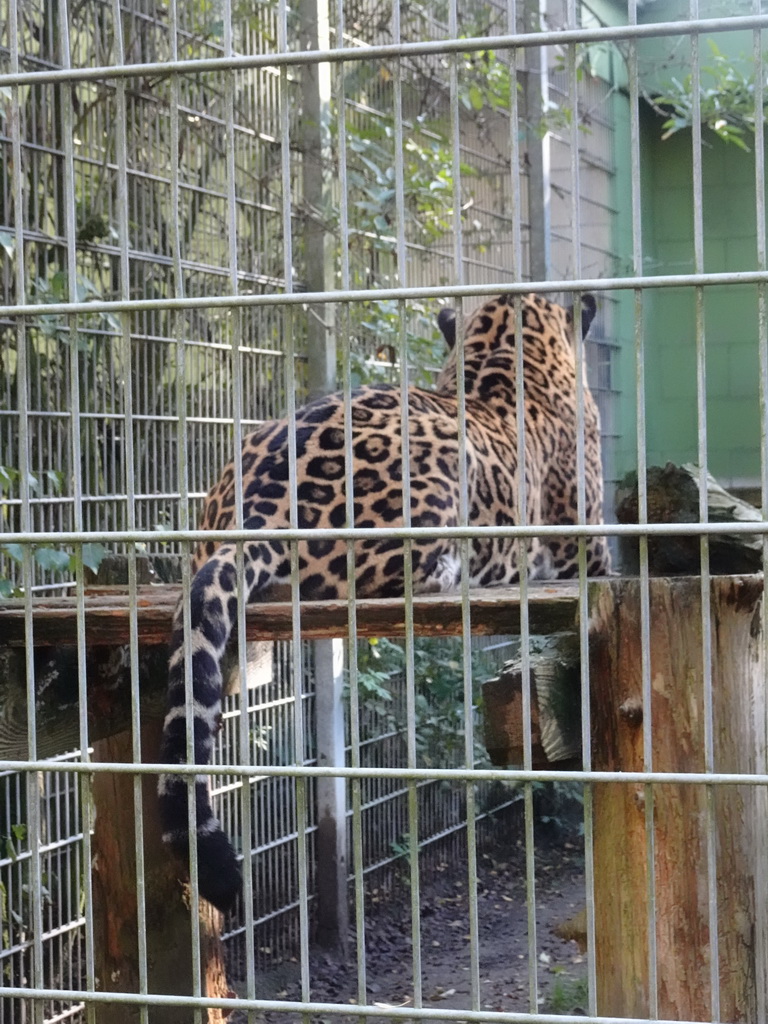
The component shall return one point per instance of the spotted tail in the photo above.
(213, 613)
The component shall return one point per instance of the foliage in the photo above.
(560, 807)
(386, 323)
(49, 559)
(726, 98)
(430, 200)
(440, 718)
(53, 560)
(568, 994)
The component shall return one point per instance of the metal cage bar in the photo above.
(185, 306)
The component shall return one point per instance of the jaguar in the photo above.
(320, 472)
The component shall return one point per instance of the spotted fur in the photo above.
(550, 401)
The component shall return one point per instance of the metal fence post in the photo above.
(332, 913)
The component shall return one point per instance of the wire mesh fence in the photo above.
(215, 223)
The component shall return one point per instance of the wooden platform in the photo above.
(494, 612)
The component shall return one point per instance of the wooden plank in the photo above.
(495, 612)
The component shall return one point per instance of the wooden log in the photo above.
(680, 811)
(495, 612)
(673, 497)
(555, 705)
(168, 934)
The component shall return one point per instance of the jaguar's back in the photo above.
(492, 478)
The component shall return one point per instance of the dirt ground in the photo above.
(503, 955)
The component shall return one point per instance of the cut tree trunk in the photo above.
(683, 814)
(168, 931)
(555, 705)
(673, 497)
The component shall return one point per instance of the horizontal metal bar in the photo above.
(100, 499)
(244, 62)
(388, 533)
(439, 774)
(60, 845)
(592, 284)
(339, 1009)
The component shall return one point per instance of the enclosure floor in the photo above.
(502, 942)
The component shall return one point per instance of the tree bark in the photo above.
(682, 813)
(168, 930)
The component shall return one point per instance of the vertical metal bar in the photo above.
(358, 862)
(464, 545)
(236, 317)
(538, 144)
(573, 92)
(706, 621)
(761, 873)
(331, 795)
(77, 486)
(525, 665)
(27, 570)
(315, 144)
(130, 493)
(642, 485)
(296, 643)
(410, 675)
(539, 259)
(182, 441)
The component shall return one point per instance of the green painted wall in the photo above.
(730, 313)
(669, 315)
(730, 244)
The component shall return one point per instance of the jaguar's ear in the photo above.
(446, 321)
(588, 310)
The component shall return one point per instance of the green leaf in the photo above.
(56, 479)
(85, 288)
(93, 556)
(8, 477)
(476, 98)
(8, 242)
(52, 559)
(112, 322)
(14, 551)
(59, 286)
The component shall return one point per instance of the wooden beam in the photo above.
(495, 612)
